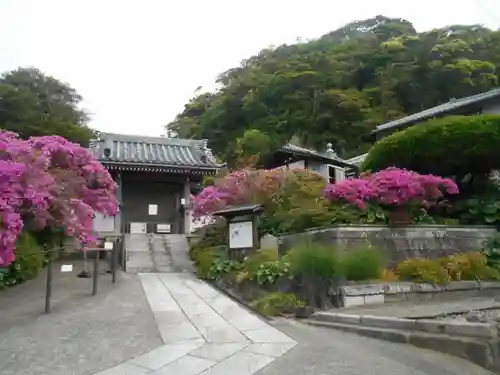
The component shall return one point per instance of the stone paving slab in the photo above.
(204, 332)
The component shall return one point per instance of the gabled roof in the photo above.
(328, 157)
(245, 209)
(157, 153)
(357, 160)
(439, 110)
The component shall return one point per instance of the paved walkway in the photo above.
(155, 324)
(203, 332)
(323, 351)
(83, 334)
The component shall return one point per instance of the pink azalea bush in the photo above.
(50, 182)
(392, 187)
(272, 188)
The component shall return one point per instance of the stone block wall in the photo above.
(429, 241)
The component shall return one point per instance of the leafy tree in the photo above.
(338, 87)
(34, 104)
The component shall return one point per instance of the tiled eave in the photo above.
(159, 168)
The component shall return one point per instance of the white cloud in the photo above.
(137, 62)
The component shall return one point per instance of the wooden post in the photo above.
(48, 285)
(96, 273)
(114, 253)
(187, 206)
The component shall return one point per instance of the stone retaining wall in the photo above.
(430, 241)
(370, 294)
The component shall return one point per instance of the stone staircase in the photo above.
(178, 248)
(157, 253)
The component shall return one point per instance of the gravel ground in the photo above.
(82, 334)
(322, 351)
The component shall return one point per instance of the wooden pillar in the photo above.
(119, 196)
(187, 206)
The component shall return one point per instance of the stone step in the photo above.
(161, 259)
(139, 261)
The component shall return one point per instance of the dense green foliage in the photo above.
(35, 104)
(29, 261)
(449, 146)
(462, 266)
(338, 87)
(277, 303)
(492, 252)
(423, 270)
(362, 263)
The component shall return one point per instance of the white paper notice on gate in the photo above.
(153, 209)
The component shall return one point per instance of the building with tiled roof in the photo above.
(484, 103)
(326, 163)
(155, 178)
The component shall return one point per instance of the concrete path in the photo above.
(321, 351)
(203, 332)
(83, 334)
(158, 324)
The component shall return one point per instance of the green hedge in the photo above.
(449, 146)
(30, 259)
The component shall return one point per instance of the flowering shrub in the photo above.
(275, 189)
(392, 187)
(49, 182)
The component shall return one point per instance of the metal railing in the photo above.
(95, 274)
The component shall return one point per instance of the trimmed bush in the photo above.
(30, 259)
(205, 258)
(388, 275)
(312, 260)
(448, 146)
(422, 271)
(469, 266)
(213, 235)
(277, 303)
(363, 263)
(316, 268)
(492, 252)
(252, 263)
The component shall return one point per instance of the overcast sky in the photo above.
(136, 63)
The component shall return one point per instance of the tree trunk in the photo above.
(399, 217)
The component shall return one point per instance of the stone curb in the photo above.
(476, 350)
(415, 288)
(374, 294)
(478, 330)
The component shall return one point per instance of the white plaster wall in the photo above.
(339, 174)
(322, 169)
(104, 224)
(297, 165)
(200, 223)
(319, 168)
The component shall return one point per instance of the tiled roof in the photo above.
(357, 160)
(328, 157)
(442, 109)
(121, 149)
(239, 210)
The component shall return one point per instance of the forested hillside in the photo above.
(339, 87)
